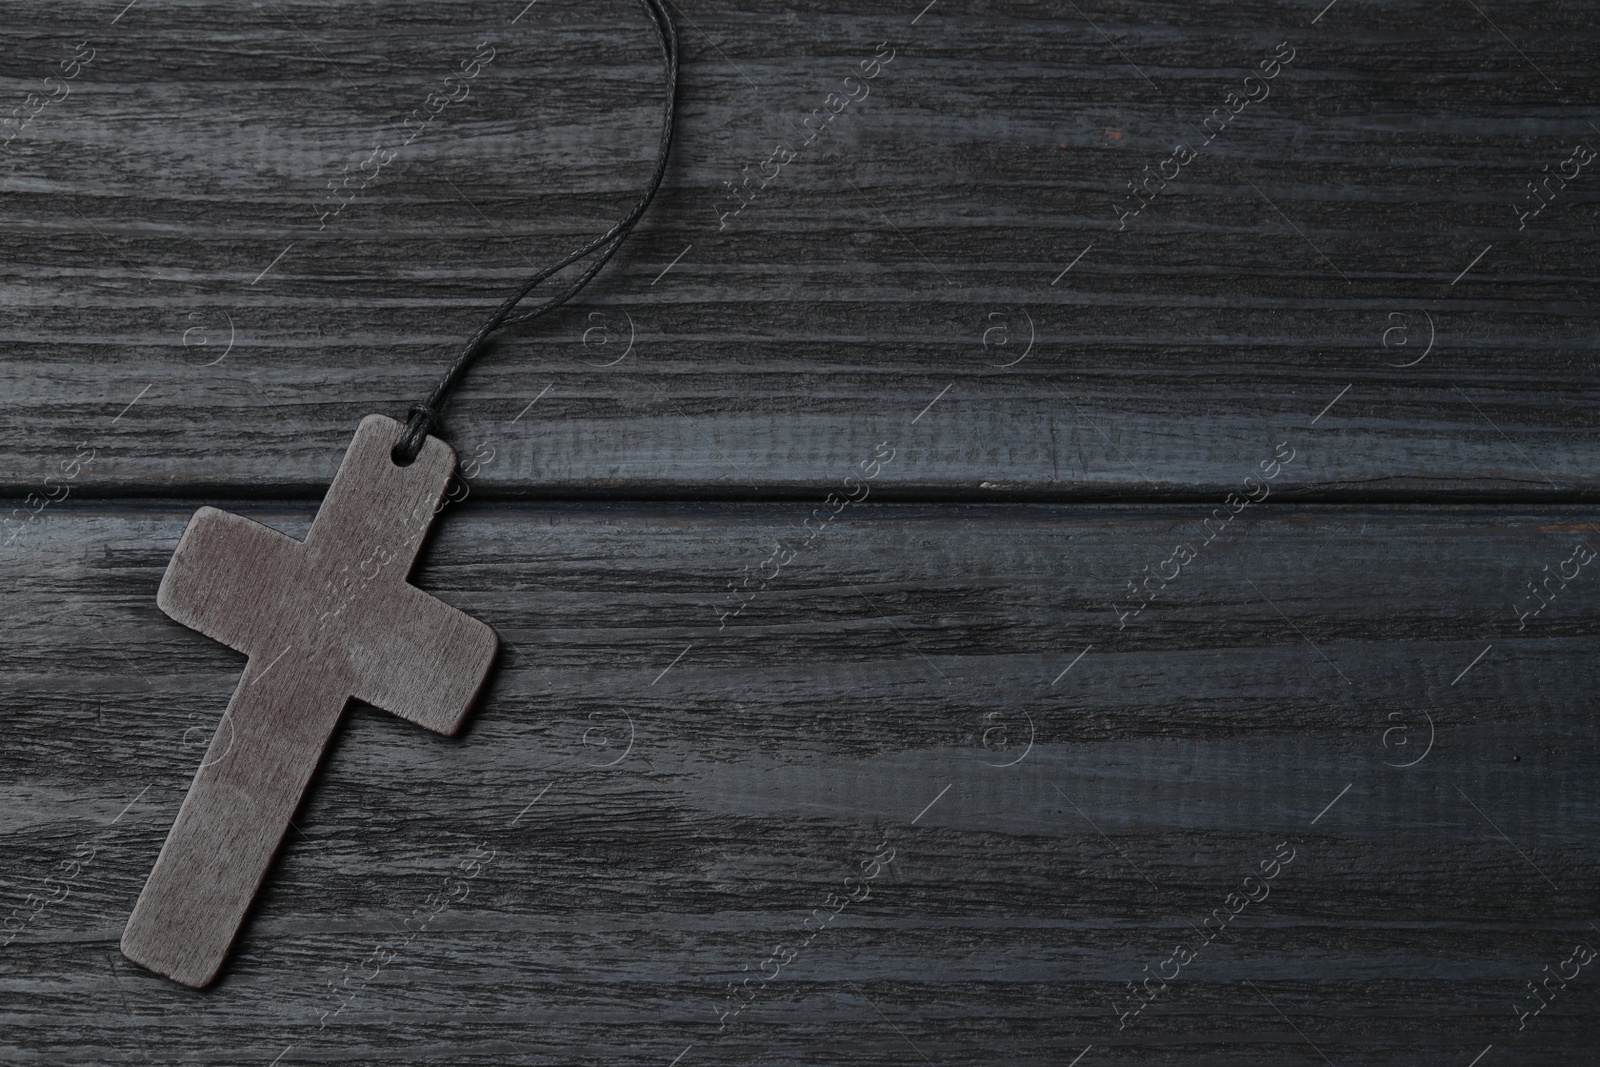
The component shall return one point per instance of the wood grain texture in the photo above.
(322, 621)
(890, 543)
(645, 807)
(169, 209)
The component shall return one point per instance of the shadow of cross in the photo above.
(322, 620)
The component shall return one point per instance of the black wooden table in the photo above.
(1064, 538)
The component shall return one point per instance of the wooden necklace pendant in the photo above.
(322, 621)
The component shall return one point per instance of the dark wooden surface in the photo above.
(904, 656)
(848, 294)
(647, 803)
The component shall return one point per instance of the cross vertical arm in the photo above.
(232, 820)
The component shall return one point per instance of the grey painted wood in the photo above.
(171, 205)
(658, 794)
(645, 808)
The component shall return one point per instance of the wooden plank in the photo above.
(647, 808)
(1362, 214)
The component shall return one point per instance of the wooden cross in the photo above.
(322, 621)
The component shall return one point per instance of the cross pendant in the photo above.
(321, 620)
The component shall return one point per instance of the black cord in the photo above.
(424, 416)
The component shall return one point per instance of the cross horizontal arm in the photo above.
(421, 659)
(225, 569)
